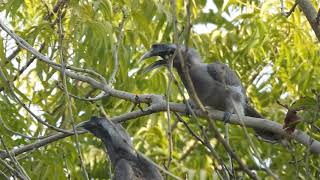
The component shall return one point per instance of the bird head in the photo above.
(112, 134)
(166, 51)
(94, 125)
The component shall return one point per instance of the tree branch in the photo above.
(251, 122)
(311, 13)
(68, 98)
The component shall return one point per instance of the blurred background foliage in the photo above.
(277, 58)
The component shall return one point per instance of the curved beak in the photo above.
(154, 65)
(87, 125)
(162, 50)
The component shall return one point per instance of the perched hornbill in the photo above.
(216, 85)
(127, 164)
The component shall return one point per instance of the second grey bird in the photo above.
(127, 164)
(216, 85)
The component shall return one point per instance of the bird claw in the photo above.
(138, 103)
(226, 117)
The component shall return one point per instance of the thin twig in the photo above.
(159, 167)
(57, 6)
(68, 99)
(169, 131)
(14, 161)
(287, 14)
(26, 108)
(231, 152)
(29, 62)
(20, 134)
(12, 55)
(65, 166)
(103, 112)
(3, 175)
(88, 71)
(226, 126)
(116, 49)
(255, 151)
(188, 150)
(186, 74)
(215, 154)
(189, 129)
(206, 144)
(282, 8)
(12, 170)
(185, 68)
(89, 99)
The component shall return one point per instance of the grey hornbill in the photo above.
(126, 162)
(216, 85)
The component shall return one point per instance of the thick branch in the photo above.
(251, 122)
(311, 13)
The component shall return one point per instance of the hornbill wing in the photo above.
(223, 74)
(126, 162)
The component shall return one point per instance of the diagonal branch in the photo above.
(193, 93)
(68, 98)
(250, 122)
(311, 13)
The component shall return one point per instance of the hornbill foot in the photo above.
(138, 103)
(226, 117)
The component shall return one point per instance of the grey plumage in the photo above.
(216, 85)
(127, 164)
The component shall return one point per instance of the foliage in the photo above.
(275, 57)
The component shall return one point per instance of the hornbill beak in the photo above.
(86, 125)
(162, 50)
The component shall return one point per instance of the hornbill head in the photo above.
(126, 162)
(165, 51)
(113, 135)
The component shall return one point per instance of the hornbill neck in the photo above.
(183, 78)
(116, 153)
(191, 59)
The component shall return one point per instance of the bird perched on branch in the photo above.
(127, 164)
(216, 85)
